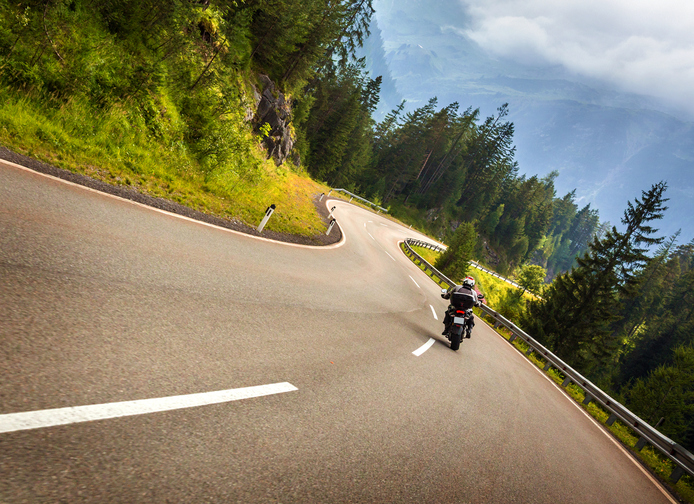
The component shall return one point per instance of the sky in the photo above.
(639, 46)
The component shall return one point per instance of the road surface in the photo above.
(104, 301)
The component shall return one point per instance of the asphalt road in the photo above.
(105, 301)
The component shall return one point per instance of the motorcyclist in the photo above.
(467, 299)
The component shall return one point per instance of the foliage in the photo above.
(668, 320)
(339, 125)
(668, 392)
(455, 261)
(149, 94)
(531, 277)
(574, 318)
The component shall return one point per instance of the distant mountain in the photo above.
(606, 144)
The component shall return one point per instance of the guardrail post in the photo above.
(587, 399)
(547, 366)
(611, 420)
(640, 443)
(566, 382)
(513, 336)
(530, 350)
(330, 227)
(677, 473)
(268, 213)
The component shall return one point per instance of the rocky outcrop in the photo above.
(490, 256)
(272, 121)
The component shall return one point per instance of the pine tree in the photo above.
(666, 328)
(490, 222)
(668, 393)
(575, 317)
(455, 261)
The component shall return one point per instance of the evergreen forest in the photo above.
(182, 74)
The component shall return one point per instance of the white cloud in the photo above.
(645, 47)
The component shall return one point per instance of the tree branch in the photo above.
(55, 50)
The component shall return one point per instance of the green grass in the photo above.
(117, 147)
(428, 255)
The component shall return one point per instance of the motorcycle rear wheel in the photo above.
(455, 339)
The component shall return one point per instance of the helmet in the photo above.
(469, 282)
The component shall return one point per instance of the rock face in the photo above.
(490, 257)
(274, 111)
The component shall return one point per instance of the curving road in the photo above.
(104, 301)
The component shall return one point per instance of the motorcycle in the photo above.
(461, 327)
(462, 324)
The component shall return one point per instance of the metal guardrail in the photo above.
(352, 195)
(683, 459)
(426, 245)
(428, 268)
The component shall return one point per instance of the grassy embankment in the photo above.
(496, 292)
(117, 147)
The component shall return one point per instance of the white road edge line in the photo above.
(426, 346)
(415, 282)
(393, 258)
(434, 312)
(599, 426)
(12, 422)
(177, 216)
(371, 236)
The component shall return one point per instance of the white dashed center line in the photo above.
(12, 422)
(415, 282)
(426, 346)
(434, 312)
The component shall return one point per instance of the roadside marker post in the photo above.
(331, 211)
(268, 213)
(330, 227)
(322, 195)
